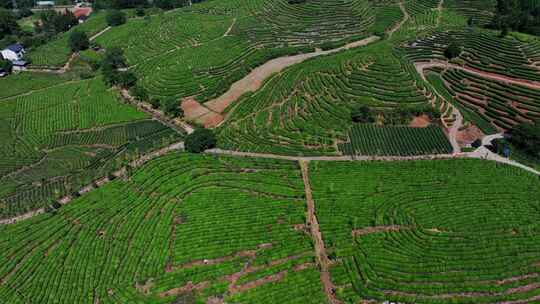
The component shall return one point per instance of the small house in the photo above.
(82, 13)
(19, 65)
(13, 52)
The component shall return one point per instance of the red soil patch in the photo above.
(193, 109)
(468, 135)
(83, 11)
(210, 119)
(421, 121)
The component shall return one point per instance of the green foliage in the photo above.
(167, 214)
(78, 41)
(115, 17)
(171, 107)
(5, 65)
(452, 51)
(526, 136)
(200, 140)
(8, 23)
(369, 139)
(362, 114)
(139, 93)
(417, 228)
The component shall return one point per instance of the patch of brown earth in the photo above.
(193, 109)
(210, 119)
(468, 135)
(376, 229)
(189, 287)
(253, 284)
(421, 121)
(144, 288)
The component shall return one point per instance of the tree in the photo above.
(125, 79)
(526, 136)
(362, 114)
(115, 17)
(200, 140)
(114, 57)
(8, 23)
(139, 11)
(171, 107)
(5, 64)
(139, 93)
(452, 51)
(78, 41)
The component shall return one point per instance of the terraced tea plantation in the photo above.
(341, 167)
(368, 139)
(59, 138)
(222, 225)
(408, 232)
(307, 109)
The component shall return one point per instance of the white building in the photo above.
(13, 52)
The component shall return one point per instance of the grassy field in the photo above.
(142, 239)
(409, 232)
(61, 137)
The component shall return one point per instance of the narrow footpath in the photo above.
(320, 251)
(406, 17)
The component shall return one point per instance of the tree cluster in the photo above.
(518, 15)
(122, 4)
(112, 69)
(399, 116)
(78, 41)
(200, 140)
(526, 137)
(115, 17)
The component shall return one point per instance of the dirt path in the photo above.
(230, 28)
(421, 66)
(254, 80)
(484, 153)
(320, 250)
(406, 17)
(440, 10)
(99, 34)
(453, 131)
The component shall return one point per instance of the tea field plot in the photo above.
(306, 109)
(201, 50)
(203, 227)
(369, 139)
(59, 138)
(445, 231)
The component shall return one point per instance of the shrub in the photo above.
(526, 137)
(171, 107)
(78, 41)
(115, 18)
(452, 51)
(139, 93)
(362, 114)
(200, 140)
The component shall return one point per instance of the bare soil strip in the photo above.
(421, 66)
(320, 250)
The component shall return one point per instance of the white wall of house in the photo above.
(10, 55)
